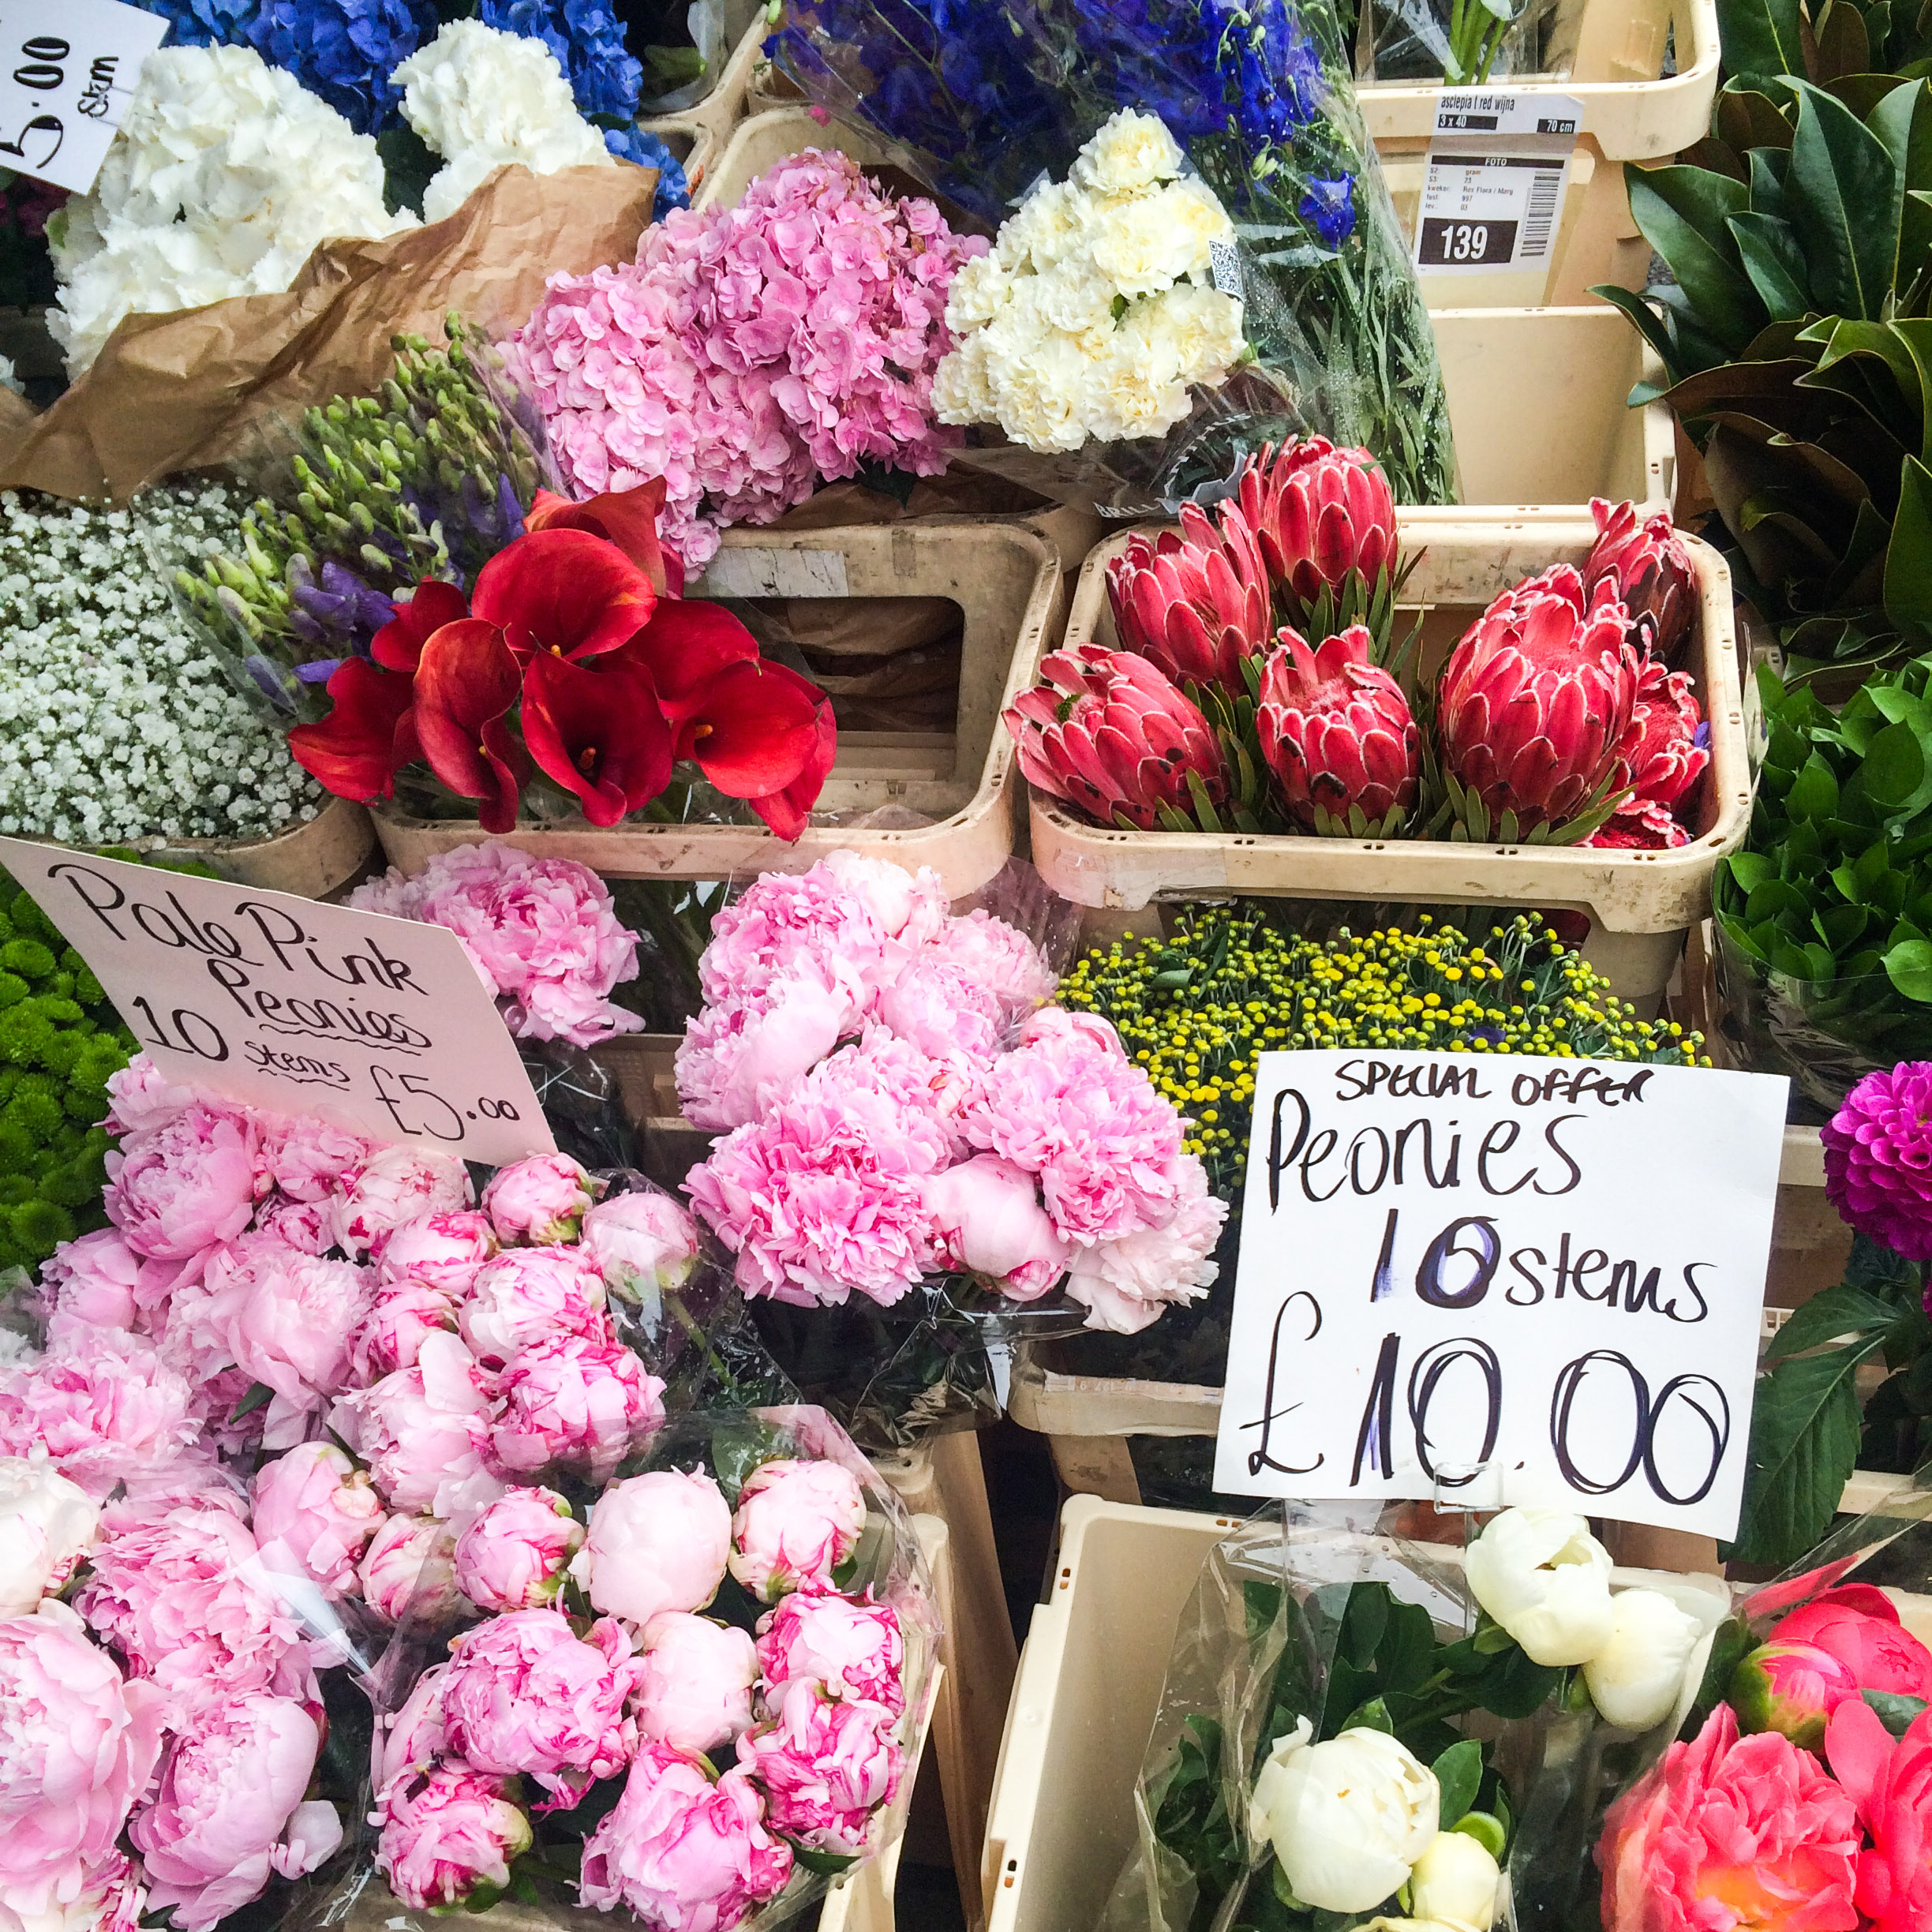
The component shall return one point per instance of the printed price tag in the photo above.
(381, 1024)
(1521, 1280)
(67, 75)
(1493, 189)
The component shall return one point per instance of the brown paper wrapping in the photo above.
(188, 391)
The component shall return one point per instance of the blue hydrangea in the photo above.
(204, 22)
(344, 49)
(632, 144)
(588, 40)
(1331, 206)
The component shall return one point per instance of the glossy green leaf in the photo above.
(1761, 38)
(1682, 212)
(1749, 869)
(1652, 327)
(1458, 1775)
(1908, 966)
(1775, 263)
(1903, 123)
(1842, 198)
(1815, 793)
(1894, 767)
(1908, 561)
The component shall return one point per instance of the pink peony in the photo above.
(1879, 1158)
(987, 1221)
(443, 1249)
(644, 1243)
(107, 1409)
(1860, 1626)
(513, 1554)
(999, 957)
(448, 1836)
(109, 1895)
(1728, 1832)
(796, 1523)
(1061, 1025)
(738, 1059)
(824, 1763)
(298, 1224)
(543, 933)
(93, 1283)
(289, 1319)
(581, 1405)
(403, 1315)
(140, 1096)
(179, 1589)
(421, 1430)
(316, 1508)
(314, 1160)
(1125, 1283)
(908, 908)
(77, 1747)
(1791, 1688)
(525, 1694)
(227, 1812)
(46, 1526)
(853, 1647)
(177, 1188)
(942, 1007)
(540, 1200)
(408, 1573)
(696, 1689)
(409, 1740)
(684, 1854)
(657, 1542)
(527, 1295)
(395, 1185)
(1891, 1784)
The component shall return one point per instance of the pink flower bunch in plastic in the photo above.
(960, 1128)
(749, 352)
(542, 933)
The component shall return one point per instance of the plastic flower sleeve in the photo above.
(1459, 42)
(757, 1632)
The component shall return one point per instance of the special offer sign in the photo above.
(1527, 1281)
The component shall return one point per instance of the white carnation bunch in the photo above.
(1097, 310)
(482, 99)
(224, 177)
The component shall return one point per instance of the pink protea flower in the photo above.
(408, 1573)
(1318, 513)
(1667, 750)
(227, 1811)
(108, 1408)
(448, 1836)
(543, 933)
(76, 1748)
(402, 1315)
(1891, 1784)
(987, 1221)
(657, 1542)
(1755, 1820)
(443, 1249)
(796, 1521)
(1651, 571)
(854, 1647)
(314, 1506)
(1126, 1283)
(1337, 730)
(825, 1766)
(421, 1429)
(680, 1850)
(395, 1185)
(540, 1200)
(696, 1690)
(513, 1555)
(528, 1294)
(1195, 603)
(582, 1405)
(314, 1159)
(289, 1319)
(177, 1589)
(1879, 1158)
(524, 1694)
(645, 1244)
(178, 1188)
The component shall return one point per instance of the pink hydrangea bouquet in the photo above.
(749, 352)
(897, 1102)
(730, 1642)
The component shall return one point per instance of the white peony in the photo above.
(484, 99)
(46, 1524)
(1456, 1880)
(1546, 1580)
(1636, 1679)
(1131, 151)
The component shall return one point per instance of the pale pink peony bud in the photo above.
(288, 1318)
(796, 1521)
(656, 1542)
(514, 1555)
(856, 1648)
(988, 1220)
(644, 1243)
(313, 1160)
(583, 1406)
(402, 1316)
(541, 1200)
(408, 1741)
(47, 1525)
(93, 1283)
(445, 1248)
(407, 1571)
(320, 1509)
(824, 1763)
(447, 1838)
(177, 1188)
(395, 1185)
(696, 1689)
(422, 1430)
(528, 1295)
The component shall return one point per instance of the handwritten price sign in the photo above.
(288, 1004)
(1534, 1282)
(67, 75)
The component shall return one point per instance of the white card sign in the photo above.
(381, 1024)
(1492, 190)
(1512, 1280)
(67, 75)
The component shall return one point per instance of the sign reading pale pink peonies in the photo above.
(382, 1025)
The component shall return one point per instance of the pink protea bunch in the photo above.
(1319, 514)
(1651, 572)
(1108, 731)
(749, 352)
(1879, 1158)
(1339, 735)
(1533, 712)
(1194, 604)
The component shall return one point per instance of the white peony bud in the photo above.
(47, 1523)
(1636, 1679)
(1546, 1580)
(1456, 1880)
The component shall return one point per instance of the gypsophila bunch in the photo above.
(115, 723)
(1195, 1010)
(224, 177)
(1097, 310)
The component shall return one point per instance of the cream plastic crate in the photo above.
(1004, 579)
(699, 135)
(1063, 1823)
(1640, 903)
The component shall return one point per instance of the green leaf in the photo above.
(1908, 966)
(827, 1864)
(1909, 561)
(1750, 868)
(1842, 199)
(258, 1396)
(1761, 39)
(1896, 1710)
(1651, 326)
(1682, 212)
(1459, 1774)
(1815, 793)
(1894, 769)
(1373, 1715)
(1840, 1313)
(1903, 123)
(1775, 263)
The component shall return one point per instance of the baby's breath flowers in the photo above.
(1195, 1009)
(115, 724)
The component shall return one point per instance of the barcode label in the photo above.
(1484, 210)
(1224, 260)
(1541, 213)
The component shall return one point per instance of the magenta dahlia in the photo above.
(1879, 1158)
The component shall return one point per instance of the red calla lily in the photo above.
(627, 517)
(754, 729)
(466, 683)
(357, 750)
(398, 644)
(685, 647)
(785, 811)
(563, 592)
(597, 733)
